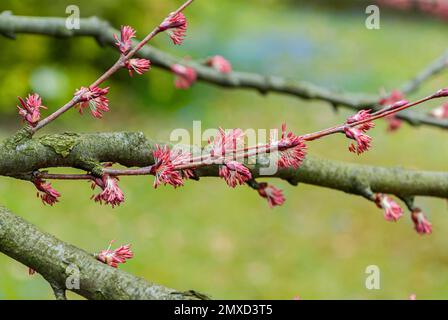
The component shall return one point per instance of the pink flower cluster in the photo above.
(234, 173)
(226, 148)
(219, 63)
(94, 98)
(124, 43)
(111, 192)
(226, 142)
(394, 100)
(362, 115)
(441, 93)
(46, 192)
(29, 110)
(176, 26)
(440, 112)
(271, 193)
(139, 66)
(363, 141)
(185, 76)
(164, 169)
(357, 133)
(292, 149)
(392, 211)
(421, 224)
(224, 145)
(117, 256)
(181, 157)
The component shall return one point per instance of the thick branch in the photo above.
(84, 151)
(57, 261)
(10, 25)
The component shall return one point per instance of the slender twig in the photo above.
(106, 75)
(63, 176)
(251, 151)
(55, 115)
(113, 172)
(380, 114)
(267, 148)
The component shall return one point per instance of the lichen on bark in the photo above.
(62, 144)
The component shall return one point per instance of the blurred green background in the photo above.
(206, 236)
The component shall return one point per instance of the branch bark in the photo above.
(56, 261)
(20, 156)
(101, 30)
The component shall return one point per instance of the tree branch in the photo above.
(20, 157)
(10, 25)
(431, 70)
(57, 261)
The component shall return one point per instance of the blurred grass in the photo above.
(225, 242)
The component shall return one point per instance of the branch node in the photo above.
(264, 86)
(195, 176)
(21, 135)
(293, 181)
(335, 107)
(363, 188)
(253, 184)
(59, 292)
(97, 170)
(293, 178)
(408, 201)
